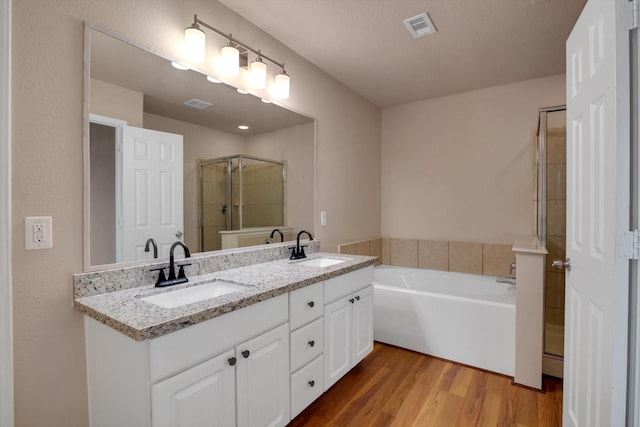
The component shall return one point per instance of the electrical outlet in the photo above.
(323, 218)
(38, 232)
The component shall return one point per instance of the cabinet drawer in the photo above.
(307, 343)
(306, 385)
(305, 305)
(187, 347)
(347, 284)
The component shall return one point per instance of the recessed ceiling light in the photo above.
(243, 127)
(179, 66)
(266, 101)
(242, 91)
(213, 79)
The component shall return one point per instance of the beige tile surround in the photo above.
(488, 259)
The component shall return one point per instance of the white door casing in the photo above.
(597, 212)
(6, 328)
(152, 191)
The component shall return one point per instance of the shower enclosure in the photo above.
(551, 219)
(237, 193)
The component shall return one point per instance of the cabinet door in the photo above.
(337, 340)
(263, 379)
(201, 396)
(362, 324)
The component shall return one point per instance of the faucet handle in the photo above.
(301, 254)
(161, 275)
(181, 274)
(294, 254)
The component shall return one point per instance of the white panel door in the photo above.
(263, 380)
(151, 191)
(362, 324)
(597, 211)
(338, 340)
(203, 396)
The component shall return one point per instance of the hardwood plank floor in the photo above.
(397, 387)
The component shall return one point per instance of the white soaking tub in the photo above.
(461, 317)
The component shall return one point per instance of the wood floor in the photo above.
(397, 387)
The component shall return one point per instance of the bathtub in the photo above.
(461, 317)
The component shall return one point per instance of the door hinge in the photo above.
(629, 14)
(629, 245)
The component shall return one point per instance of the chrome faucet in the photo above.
(511, 268)
(155, 247)
(279, 232)
(298, 251)
(173, 279)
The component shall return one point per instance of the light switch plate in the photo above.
(38, 233)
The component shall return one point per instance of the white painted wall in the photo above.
(460, 168)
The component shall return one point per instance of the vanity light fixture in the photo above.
(194, 39)
(194, 45)
(230, 60)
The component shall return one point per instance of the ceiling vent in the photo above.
(198, 103)
(419, 25)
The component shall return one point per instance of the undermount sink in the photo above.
(322, 262)
(205, 291)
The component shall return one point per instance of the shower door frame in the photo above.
(227, 160)
(552, 364)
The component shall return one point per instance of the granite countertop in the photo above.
(126, 312)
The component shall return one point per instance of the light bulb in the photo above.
(230, 61)
(194, 41)
(258, 70)
(282, 85)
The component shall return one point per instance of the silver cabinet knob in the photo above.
(178, 234)
(559, 264)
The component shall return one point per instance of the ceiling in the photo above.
(365, 45)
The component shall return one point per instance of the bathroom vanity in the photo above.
(255, 356)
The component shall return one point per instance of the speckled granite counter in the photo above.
(124, 311)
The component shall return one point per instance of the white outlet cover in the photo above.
(38, 233)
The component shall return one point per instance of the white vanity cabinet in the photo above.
(232, 369)
(306, 307)
(250, 382)
(348, 322)
(262, 380)
(206, 391)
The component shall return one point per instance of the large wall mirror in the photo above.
(165, 157)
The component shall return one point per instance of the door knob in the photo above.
(559, 264)
(178, 234)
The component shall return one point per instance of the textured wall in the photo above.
(459, 168)
(50, 381)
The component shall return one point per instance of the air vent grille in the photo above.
(198, 103)
(419, 25)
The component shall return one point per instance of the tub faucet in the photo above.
(511, 268)
(298, 251)
(279, 232)
(155, 247)
(172, 279)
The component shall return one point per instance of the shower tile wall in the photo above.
(262, 195)
(488, 259)
(556, 225)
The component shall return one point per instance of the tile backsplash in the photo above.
(488, 259)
